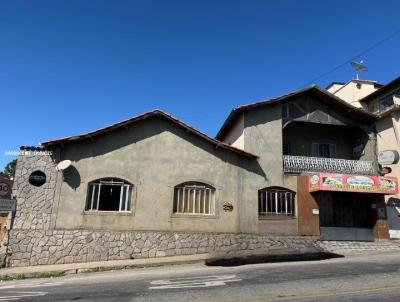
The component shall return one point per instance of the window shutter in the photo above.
(332, 150)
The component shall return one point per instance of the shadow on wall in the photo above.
(141, 131)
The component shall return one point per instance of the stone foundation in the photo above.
(36, 247)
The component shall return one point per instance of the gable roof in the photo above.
(144, 116)
(329, 98)
(382, 90)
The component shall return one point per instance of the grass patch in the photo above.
(31, 276)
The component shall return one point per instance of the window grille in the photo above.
(276, 201)
(112, 195)
(194, 199)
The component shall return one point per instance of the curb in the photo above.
(89, 267)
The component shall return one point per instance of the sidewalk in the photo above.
(74, 268)
(211, 259)
(330, 250)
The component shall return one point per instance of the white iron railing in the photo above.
(299, 164)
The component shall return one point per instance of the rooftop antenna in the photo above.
(358, 67)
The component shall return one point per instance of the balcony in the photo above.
(300, 164)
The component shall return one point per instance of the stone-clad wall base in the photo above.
(35, 247)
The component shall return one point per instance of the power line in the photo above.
(355, 57)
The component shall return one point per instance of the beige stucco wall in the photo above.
(388, 140)
(235, 136)
(155, 156)
(351, 94)
(263, 135)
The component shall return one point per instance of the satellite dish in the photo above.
(63, 165)
(358, 67)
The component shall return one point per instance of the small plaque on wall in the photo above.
(315, 211)
(227, 206)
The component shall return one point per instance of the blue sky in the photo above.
(67, 67)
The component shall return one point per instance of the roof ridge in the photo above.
(140, 117)
(284, 96)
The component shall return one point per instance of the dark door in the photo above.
(346, 216)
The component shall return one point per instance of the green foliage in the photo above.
(33, 276)
(9, 170)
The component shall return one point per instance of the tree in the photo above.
(9, 170)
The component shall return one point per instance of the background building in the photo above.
(384, 101)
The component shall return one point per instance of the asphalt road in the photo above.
(357, 278)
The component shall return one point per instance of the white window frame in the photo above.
(181, 206)
(276, 201)
(93, 199)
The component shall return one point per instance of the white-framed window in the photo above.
(324, 150)
(276, 201)
(194, 198)
(109, 194)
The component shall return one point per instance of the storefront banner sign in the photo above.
(353, 183)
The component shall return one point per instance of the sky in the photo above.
(68, 67)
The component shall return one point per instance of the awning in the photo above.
(353, 183)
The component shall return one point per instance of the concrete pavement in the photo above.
(373, 276)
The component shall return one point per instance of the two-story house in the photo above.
(282, 172)
(311, 141)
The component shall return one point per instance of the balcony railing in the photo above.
(299, 164)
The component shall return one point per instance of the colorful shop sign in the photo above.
(353, 183)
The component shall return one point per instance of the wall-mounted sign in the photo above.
(227, 206)
(4, 189)
(7, 204)
(353, 183)
(388, 157)
(37, 178)
(315, 211)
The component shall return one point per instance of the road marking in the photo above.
(7, 295)
(20, 295)
(190, 282)
(30, 285)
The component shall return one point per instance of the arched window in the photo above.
(109, 194)
(194, 198)
(276, 201)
